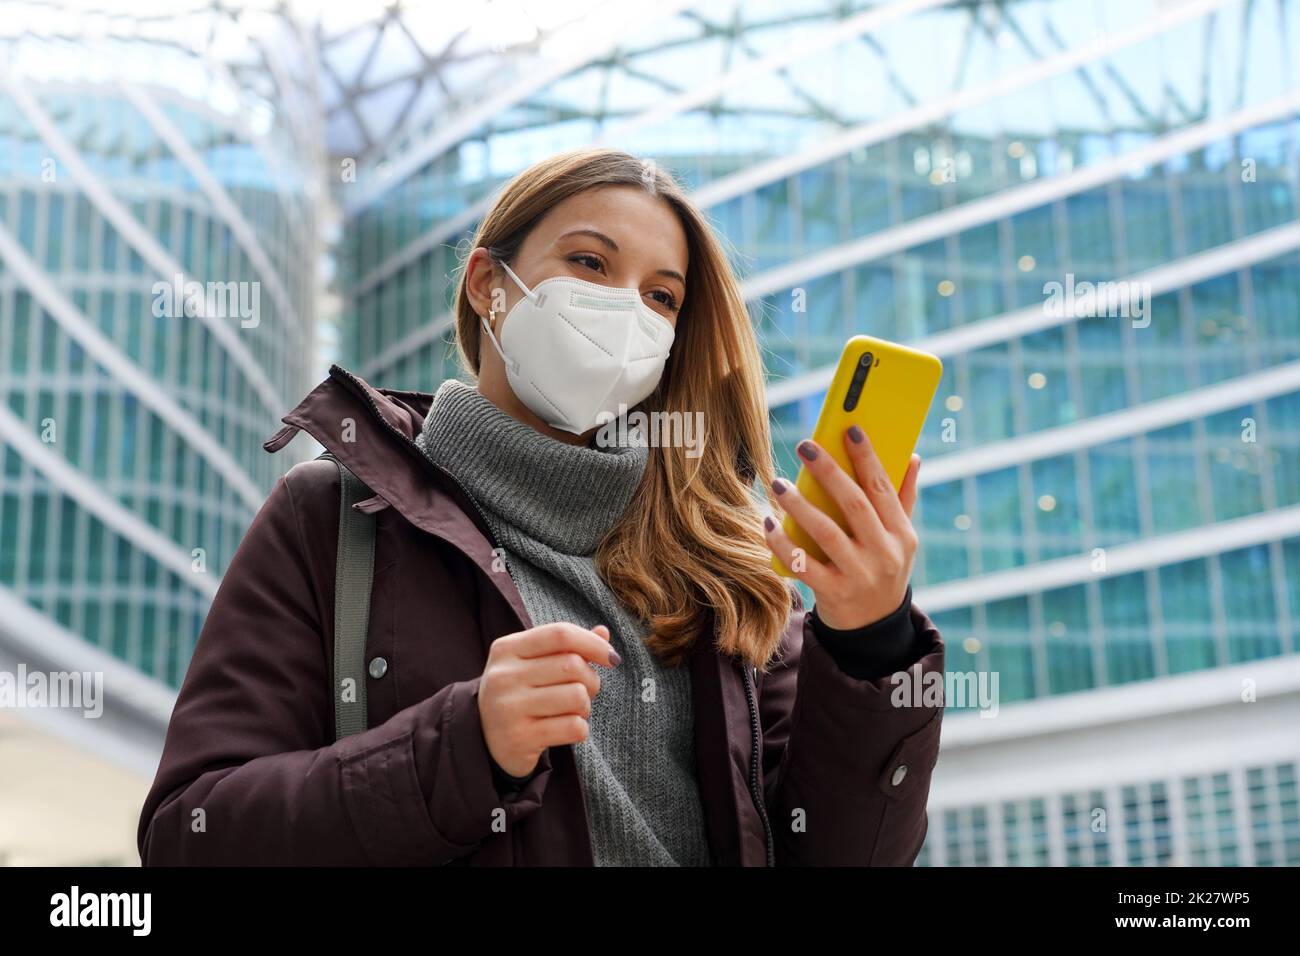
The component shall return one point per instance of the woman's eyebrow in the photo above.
(593, 233)
(670, 273)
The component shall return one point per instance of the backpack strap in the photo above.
(353, 577)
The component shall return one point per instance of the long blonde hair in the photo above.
(688, 555)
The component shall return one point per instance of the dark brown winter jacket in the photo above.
(802, 765)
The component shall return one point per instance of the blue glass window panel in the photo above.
(1235, 465)
(1219, 325)
(1162, 352)
(1060, 530)
(1188, 616)
(1101, 351)
(1130, 654)
(1282, 446)
(1249, 608)
(1068, 641)
(1010, 652)
(944, 550)
(1001, 531)
(1171, 471)
(1276, 287)
(1114, 484)
(1044, 353)
(992, 410)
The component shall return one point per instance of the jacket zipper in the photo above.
(360, 391)
(754, 789)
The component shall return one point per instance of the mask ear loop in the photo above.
(511, 272)
(509, 362)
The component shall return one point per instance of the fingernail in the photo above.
(779, 486)
(614, 658)
(808, 450)
(856, 435)
(768, 523)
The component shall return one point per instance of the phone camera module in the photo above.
(859, 379)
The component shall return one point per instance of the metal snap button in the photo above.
(899, 774)
(378, 667)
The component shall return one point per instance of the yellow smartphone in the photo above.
(886, 390)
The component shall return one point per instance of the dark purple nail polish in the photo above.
(808, 450)
(856, 435)
(768, 523)
(779, 486)
(614, 658)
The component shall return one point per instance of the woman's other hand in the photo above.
(536, 691)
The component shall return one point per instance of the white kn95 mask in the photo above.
(575, 351)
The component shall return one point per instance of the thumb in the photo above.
(602, 630)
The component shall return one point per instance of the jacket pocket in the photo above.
(905, 783)
(388, 810)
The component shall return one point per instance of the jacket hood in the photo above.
(326, 412)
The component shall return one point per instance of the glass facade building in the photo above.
(131, 427)
(1110, 504)
(1110, 501)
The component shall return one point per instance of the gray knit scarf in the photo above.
(549, 504)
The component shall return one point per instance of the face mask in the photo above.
(575, 351)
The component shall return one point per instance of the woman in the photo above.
(578, 651)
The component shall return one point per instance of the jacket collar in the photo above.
(372, 431)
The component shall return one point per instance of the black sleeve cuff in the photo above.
(506, 782)
(875, 650)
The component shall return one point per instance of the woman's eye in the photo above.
(668, 300)
(590, 261)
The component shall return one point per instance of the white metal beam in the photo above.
(1198, 542)
(866, 22)
(1142, 700)
(1135, 420)
(285, 190)
(1192, 724)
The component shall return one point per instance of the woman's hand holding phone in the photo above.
(867, 570)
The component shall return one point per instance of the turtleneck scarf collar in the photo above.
(565, 496)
